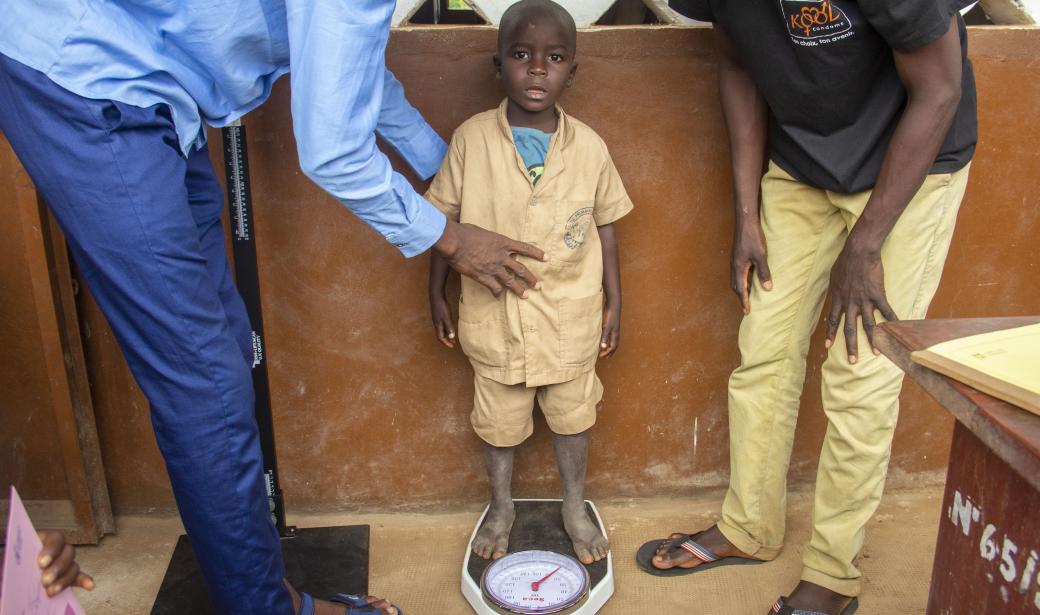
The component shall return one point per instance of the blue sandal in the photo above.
(356, 605)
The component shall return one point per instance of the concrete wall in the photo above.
(370, 410)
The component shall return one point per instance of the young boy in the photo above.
(533, 173)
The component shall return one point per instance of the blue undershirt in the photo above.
(533, 146)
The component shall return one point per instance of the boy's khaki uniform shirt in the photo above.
(553, 335)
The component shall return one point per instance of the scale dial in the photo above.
(535, 583)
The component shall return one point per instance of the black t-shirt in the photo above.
(826, 70)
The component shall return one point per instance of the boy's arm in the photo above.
(439, 310)
(611, 336)
(446, 195)
(745, 114)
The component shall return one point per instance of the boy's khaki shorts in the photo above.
(503, 413)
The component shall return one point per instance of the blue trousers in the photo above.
(143, 224)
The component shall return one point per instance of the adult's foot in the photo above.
(671, 555)
(812, 597)
(590, 545)
(492, 539)
(322, 607)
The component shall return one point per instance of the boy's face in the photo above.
(536, 62)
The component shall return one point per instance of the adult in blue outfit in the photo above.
(104, 104)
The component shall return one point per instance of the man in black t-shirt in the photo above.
(868, 110)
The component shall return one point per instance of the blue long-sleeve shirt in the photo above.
(213, 61)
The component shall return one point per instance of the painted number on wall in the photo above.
(1017, 567)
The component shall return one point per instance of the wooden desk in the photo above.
(987, 559)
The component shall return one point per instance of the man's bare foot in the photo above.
(492, 539)
(671, 555)
(590, 545)
(812, 597)
(321, 607)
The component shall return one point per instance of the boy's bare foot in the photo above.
(492, 539)
(590, 545)
(670, 555)
(322, 607)
(812, 597)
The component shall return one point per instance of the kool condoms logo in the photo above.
(814, 20)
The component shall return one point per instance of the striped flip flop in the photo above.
(780, 607)
(709, 559)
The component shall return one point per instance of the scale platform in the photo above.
(322, 561)
(539, 526)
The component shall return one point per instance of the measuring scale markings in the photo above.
(536, 582)
(238, 187)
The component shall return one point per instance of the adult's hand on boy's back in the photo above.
(488, 258)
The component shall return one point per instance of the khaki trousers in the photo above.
(805, 229)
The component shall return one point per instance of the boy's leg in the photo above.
(492, 539)
(590, 545)
(116, 181)
(570, 410)
(804, 234)
(862, 400)
(502, 418)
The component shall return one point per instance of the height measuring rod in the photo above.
(247, 278)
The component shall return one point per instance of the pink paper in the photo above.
(20, 590)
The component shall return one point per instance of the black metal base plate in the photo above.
(539, 525)
(322, 561)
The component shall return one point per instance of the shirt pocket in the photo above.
(571, 233)
(482, 332)
(581, 324)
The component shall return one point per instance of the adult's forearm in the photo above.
(910, 156)
(932, 77)
(403, 128)
(745, 114)
(338, 78)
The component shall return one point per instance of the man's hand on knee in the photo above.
(857, 291)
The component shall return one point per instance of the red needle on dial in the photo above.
(536, 584)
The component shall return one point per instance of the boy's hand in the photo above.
(610, 339)
(57, 560)
(488, 258)
(442, 325)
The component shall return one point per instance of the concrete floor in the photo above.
(416, 558)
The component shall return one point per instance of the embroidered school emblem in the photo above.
(576, 227)
(814, 22)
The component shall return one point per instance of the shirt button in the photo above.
(532, 202)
